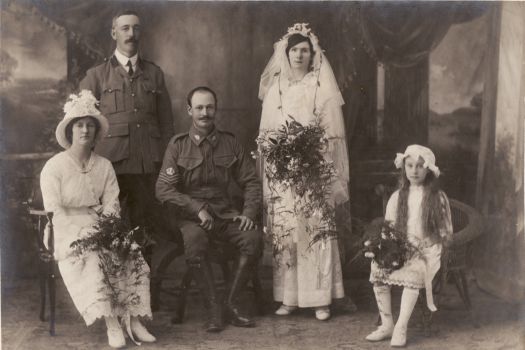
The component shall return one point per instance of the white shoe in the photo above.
(141, 332)
(399, 337)
(381, 333)
(115, 334)
(322, 313)
(285, 310)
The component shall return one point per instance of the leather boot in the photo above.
(202, 273)
(240, 279)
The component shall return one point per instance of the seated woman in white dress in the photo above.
(78, 186)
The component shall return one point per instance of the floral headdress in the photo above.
(278, 66)
(82, 105)
(304, 30)
(416, 151)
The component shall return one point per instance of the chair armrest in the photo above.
(474, 227)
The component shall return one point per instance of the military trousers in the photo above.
(197, 240)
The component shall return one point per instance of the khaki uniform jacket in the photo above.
(197, 172)
(138, 109)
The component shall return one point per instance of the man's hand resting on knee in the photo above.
(246, 223)
(206, 220)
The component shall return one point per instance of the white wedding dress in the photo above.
(305, 276)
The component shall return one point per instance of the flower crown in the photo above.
(304, 30)
(80, 105)
(300, 28)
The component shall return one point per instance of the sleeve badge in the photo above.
(170, 171)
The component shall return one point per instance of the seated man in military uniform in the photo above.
(194, 179)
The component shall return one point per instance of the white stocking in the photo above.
(384, 304)
(408, 301)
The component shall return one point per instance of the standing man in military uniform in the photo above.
(133, 97)
(194, 179)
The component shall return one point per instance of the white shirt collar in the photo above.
(123, 60)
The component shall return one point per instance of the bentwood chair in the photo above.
(47, 266)
(47, 269)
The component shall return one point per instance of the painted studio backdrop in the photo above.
(450, 75)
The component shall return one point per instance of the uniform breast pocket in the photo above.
(189, 168)
(115, 146)
(223, 165)
(112, 98)
(150, 93)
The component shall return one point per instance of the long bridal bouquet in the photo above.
(119, 250)
(294, 161)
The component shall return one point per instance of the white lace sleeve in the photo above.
(50, 185)
(446, 228)
(391, 207)
(332, 117)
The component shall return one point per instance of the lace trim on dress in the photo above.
(100, 310)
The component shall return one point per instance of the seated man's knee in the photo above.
(195, 241)
(251, 243)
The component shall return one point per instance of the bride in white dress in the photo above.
(298, 81)
(78, 186)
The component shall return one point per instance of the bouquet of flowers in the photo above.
(389, 248)
(119, 250)
(294, 155)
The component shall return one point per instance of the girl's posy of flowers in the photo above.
(389, 248)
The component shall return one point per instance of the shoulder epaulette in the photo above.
(179, 136)
(150, 62)
(100, 63)
(226, 132)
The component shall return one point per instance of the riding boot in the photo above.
(202, 272)
(242, 274)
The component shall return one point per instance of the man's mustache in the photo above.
(131, 40)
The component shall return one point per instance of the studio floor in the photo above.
(502, 325)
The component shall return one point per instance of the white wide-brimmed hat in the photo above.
(416, 151)
(82, 105)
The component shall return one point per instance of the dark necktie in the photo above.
(130, 66)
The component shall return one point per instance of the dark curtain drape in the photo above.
(401, 35)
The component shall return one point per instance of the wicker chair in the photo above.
(468, 225)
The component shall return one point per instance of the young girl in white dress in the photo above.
(419, 208)
(78, 186)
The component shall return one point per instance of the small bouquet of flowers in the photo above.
(294, 156)
(389, 248)
(119, 250)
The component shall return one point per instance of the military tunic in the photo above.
(196, 173)
(138, 108)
